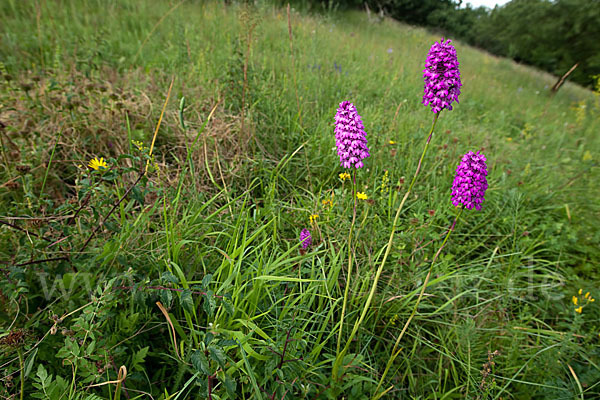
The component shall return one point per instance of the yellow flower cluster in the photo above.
(597, 90)
(344, 175)
(313, 218)
(527, 130)
(139, 145)
(384, 182)
(361, 196)
(328, 202)
(581, 301)
(579, 109)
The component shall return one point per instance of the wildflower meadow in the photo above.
(246, 200)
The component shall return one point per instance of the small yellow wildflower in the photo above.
(587, 294)
(392, 142)
(140, 145)
(580, 291)
(327, 203)
(579, 309)
(344, 176)
(509, 139)
(527, 129)
(313, 218)
(574, 300)
(96, 164)
(361, 196)
(384, 182)
(587, 156)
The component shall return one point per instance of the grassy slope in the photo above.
(503, 283)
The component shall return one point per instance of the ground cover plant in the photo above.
(175, 221)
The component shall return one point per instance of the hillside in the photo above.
(176, 271)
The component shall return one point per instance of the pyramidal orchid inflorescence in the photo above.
(305, 238)
(350, 136)
(442, 76)
(470, 182)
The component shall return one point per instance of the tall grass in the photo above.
(198, 286)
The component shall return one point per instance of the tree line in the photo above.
(551, 35)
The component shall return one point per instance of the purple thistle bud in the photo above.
(470, 182)
(350, 136)
(442, 76)
(305, 238)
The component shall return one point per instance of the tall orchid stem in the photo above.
(340, 355)
(395, 352)
(339, 341)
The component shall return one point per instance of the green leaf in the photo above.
(200, 362)
(91, 347)
(138, 359)
(168, 276)
(208, 338)
(228, 307)
(217, 354)
(209, 302)
(63, 352)
(187, 301)
(42, 374)
(110, 176)
(29, 362)
(206, 281)
(166, 297)
(230, 385)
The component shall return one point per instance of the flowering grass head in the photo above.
(470, 181)
(350, 136)
(442, 76)
(305, 238)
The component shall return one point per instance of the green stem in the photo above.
(349, 264)
(340, 356)
(22, 368)
(49, 164)
(395, 353)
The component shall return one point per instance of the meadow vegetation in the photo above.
(172, 267)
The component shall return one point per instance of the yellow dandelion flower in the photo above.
(97, 164)
(574, 300)
(313, 218)
(344, 176)
(579, 309)
(361, 196)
